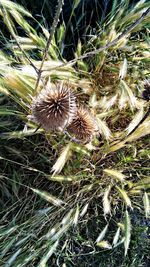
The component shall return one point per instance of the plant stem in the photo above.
(52, 31)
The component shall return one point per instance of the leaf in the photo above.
(76, 3)
(48, 254)
(61, 33)
(102, 234)
(4, 91)
(127, 96)
(117, 146)
(6, 111)
(7, 247)
(116, 237)
(104, 130)
(144, 181)
(123, 69)
(146, 204)
(61, 178)
(62, 230)
(61, 161)
(106, 202)
(67, 217)
(120, 242)
(104, 244)
(48, 197)
(76, 216)
(79, 48)
(127, 232)
(143, 129)
(13, 258)
(80, 149)
(135, 121)
(124, 196)
(20, 134)
(83, 212)
(115, 174)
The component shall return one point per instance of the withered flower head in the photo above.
(146, 92)
(54, 108)
(84, 126)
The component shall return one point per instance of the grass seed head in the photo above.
(54, 108)
(84, 126)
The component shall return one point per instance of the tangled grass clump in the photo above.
(68, 203)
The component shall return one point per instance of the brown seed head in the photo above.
(84, 126)
(54, 108)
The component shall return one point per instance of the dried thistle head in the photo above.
(54, 107)
(84, 126)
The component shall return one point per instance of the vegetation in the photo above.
(66, 202)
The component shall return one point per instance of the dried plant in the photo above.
(100, 185)
(84, 126)
(54, 108)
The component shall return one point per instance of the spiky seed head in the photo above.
(54, 108)
(84, 126)
(146, 92)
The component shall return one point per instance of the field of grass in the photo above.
(65, 200)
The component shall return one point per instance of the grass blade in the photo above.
(102, 234)
(116, 237)
(146, 204)
(48, 254)
(127, 232)
(104, 244)
(13, 258)
(106, 202)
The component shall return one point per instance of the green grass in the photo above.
(64, 203)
